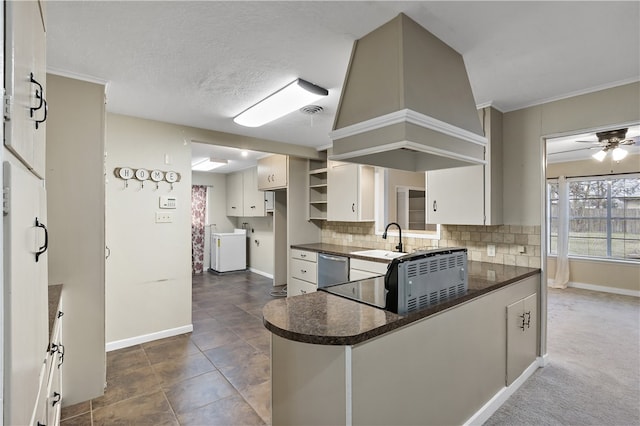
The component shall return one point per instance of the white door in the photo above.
(25, 303)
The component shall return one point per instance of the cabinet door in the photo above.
(297, 287)
(342, 192)
(522, 332)
(273, 172)
(26, 108)
(456, 196)
(254, 200)
(234, 194)
(350, 192)
(25, 307)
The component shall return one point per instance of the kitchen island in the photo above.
(339, 361)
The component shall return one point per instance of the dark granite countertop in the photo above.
(55, 291)
(338, 250)
(326, 319)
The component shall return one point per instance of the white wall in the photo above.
(148, 281)
(261, 244)
(75, 203)
(523, 135)
(522, 141)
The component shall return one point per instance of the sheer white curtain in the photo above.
(562, 262)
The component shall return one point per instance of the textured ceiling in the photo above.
(201, 63)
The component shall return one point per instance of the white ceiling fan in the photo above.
(610, 140)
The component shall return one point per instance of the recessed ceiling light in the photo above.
(208, 164)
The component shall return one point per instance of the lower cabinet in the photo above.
(304, 272)
(49, 402)
(361, 269)
(522, 336)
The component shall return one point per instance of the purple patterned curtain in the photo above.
(198, 208)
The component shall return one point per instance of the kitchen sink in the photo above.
(379, 254)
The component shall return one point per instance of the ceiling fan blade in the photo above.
(571, 150)
(630, 141)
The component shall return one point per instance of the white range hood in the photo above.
(407, 103)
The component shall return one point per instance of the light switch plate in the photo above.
(491, 250)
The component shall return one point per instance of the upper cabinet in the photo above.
(243, 197)
(25, 105)
(254, 200)
(470, 195)
(235, 188)
(272, 172)
(350, 192)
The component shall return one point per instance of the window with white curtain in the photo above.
(604, 217)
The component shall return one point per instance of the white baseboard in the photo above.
(604, 289)
(484, 413)
(264, 274)
(131, 341)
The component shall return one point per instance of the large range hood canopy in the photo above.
(407, 103)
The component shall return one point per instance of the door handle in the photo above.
(435, 206)
(108, 252)
(43, 248)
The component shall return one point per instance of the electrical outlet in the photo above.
(491, 250)
(164, 217)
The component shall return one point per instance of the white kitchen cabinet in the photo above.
(25, 106)
(304, 272)
(25, 291)
(235, 189)
(273, 172)
(522, 336)
(361, 269)
(49, 401)
(350, 192)
(296, 287)
(254, 200)
(470, 195)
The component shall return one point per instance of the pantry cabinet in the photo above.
(273, 172)
(470, 195)
(350, 192)
(25, 105)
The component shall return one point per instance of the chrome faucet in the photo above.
(384, 235)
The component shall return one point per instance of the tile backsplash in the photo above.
(514, 244)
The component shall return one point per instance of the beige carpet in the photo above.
(593, 375)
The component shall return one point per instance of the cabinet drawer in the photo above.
(303, 270)
(297, 287)
(310, 256)
(379, 268)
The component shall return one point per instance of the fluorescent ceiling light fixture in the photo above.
(600, 155)
(208, 164)
(292, 97)
(618, 154)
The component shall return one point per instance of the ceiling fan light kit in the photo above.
(290, 98)
(618, 154)
(600, 155)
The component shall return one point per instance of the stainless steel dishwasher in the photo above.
(332, 269)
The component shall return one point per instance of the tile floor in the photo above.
(217, 375)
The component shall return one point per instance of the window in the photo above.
(604, 217)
